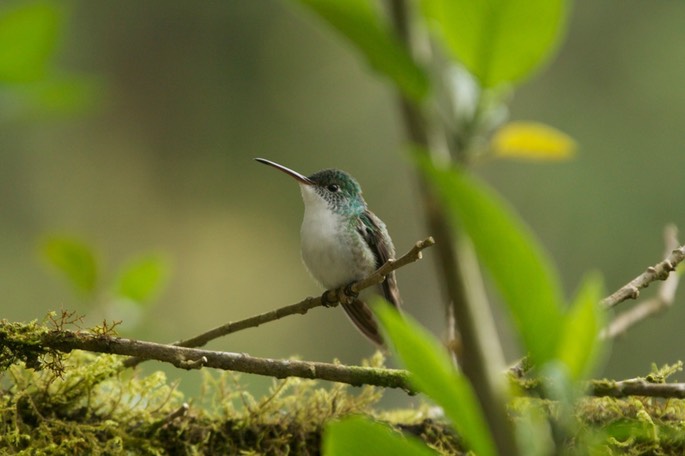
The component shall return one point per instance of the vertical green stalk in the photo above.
(481, 359)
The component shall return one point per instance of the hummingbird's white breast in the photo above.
(332, 249)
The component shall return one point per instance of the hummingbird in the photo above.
(342, 241)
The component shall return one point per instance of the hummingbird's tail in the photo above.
(363, 319)
(362, 316)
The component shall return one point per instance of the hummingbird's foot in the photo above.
(349, 292)
(342, 295)
(346, 294)
(329, 298)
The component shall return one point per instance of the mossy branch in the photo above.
(332, 298)
(638, 387)
(654, 384)
(194, 358)
(16, 339)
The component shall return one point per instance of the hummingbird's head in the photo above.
(337, 189)
(340, 190)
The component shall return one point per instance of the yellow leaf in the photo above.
(532, 141)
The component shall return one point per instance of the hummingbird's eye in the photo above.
(333, 188)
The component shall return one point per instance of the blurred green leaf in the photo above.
(68, 94)
(533, 431)
(142, 278)
(357, 21)
(579, 345)
(28, 37)
(499, 41)
(73, 258)
(432, 373)
(361, 436)
(519, 267)
(53, 96)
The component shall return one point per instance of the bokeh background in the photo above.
(175, 98)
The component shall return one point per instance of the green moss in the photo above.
(83, 403)
(92, 406)
(82, 410)
(661, 374)
(611, 426)
(20, 342)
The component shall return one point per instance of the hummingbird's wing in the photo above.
(376, 236)
(374, 233)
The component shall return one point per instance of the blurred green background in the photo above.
(139, 136)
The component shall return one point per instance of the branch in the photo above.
(379, 275)
(17, 339)
(627, 388)
(663, 300)
(659, 271)
(193, 358)
(617, 389)
(628, 319)
(302, 307)
(178, 413)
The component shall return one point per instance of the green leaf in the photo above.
(28, 35)
(360, 24)
(499, 41)
(64, 95)
(519, 267)
(142, 278)
(56, 95)
(73, 258)
(432, 373)
(358, 435)
(579, 345)
(532, 427)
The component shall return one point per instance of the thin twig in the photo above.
(179, 412)
(379, 275)
(659, 271)
(194, 358)
(302, 307)
(663, 300)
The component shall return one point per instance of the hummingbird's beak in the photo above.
(299, 177)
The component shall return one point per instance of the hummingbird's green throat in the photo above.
(342, 240)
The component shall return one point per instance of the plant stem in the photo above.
(481, 358)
